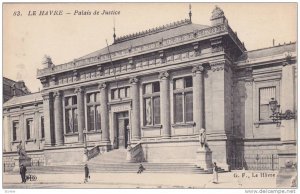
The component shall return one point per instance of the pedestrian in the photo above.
(215, 173)
(141, 169)
(86, 173)
(23, 173)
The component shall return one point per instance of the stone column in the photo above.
(104, 115)
(165, 104)
(80, 111)
(136, 129)
(198, 97)
(47, 118)
(58, 118)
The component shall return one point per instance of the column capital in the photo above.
(57, 94)
(102, 86)
(198, 69)
(133, 80)
(79, 90)
(164, 75)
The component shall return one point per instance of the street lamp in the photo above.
(278, 116)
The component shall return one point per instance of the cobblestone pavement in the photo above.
(235, 179)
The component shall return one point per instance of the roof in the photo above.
(148, 37)
(30, 98)
(270, 51)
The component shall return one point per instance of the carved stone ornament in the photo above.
(133, 80)
(217, 13)
(218, 66)
(57, 94)
(198, 69)
(163, 75)
(102, 86)
(53, 78)
(45, 96)
(79, 90)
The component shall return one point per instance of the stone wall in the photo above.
(37, 159)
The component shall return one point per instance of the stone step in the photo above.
(121, 168)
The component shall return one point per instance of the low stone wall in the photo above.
(64, 156)
(172, 152)
(37, 159)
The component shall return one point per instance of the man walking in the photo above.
(86, 173)
(23, 173)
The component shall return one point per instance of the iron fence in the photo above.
(255, 162)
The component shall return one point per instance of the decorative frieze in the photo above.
(161, 43)
(218, 66)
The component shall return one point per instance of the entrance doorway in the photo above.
(122, 131)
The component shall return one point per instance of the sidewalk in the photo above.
(148, 180)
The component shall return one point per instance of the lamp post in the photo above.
(278, 116)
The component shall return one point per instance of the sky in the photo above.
(26, 39)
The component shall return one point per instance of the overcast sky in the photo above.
(26, 39)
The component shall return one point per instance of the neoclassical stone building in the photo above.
(157, 89)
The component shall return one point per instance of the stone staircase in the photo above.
(115, 162)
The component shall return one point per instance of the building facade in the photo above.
(13, 88)
(158, 88)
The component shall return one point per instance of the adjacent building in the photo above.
(13, 88)
(158, 88)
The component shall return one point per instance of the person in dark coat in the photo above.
(141, 169)
(86, 173)
(23, 173)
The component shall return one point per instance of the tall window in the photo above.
(29, 128)
(42, 128)
(120, 93)
(265, 95)
(93, 111)
(183, 100)
(71, 114)
(151, 103)
(16, 130)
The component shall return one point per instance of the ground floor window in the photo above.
(29, 128)
(16, 130)
(71, 120)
